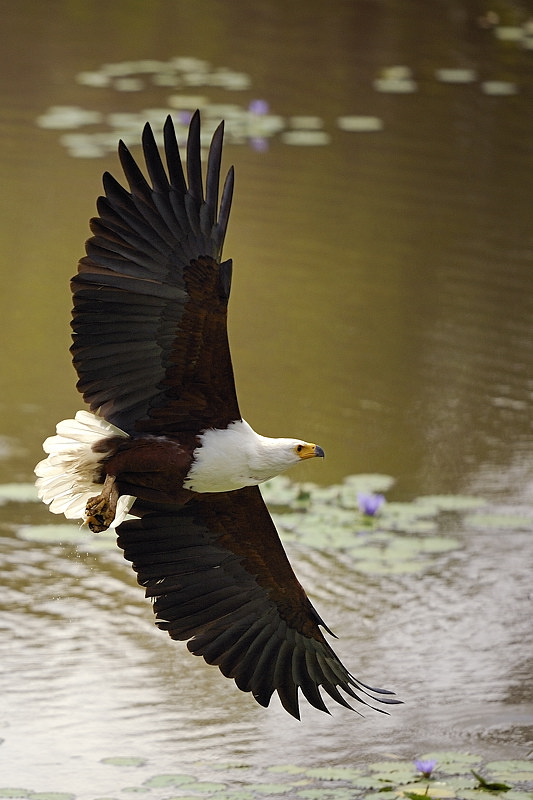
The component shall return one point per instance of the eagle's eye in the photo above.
(299, 448)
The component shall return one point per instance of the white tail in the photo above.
(68, 477)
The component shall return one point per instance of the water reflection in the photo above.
(382, 289)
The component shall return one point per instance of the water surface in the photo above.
(381, 307)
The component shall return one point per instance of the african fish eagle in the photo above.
(165, 442)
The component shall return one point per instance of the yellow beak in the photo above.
(311, 451)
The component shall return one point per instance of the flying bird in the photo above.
(165, 443)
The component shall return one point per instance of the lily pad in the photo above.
(511, 766)
(305, 138)
(438, 544)
(383, 567)
(279, 491)
(398, 771)
(452, 762)
(499, 521)
(334, 773)
(451, 502)
(360, 124)
(208, 786)
(66, 534)
(368, 482)
(455, 75)
(18, 493)
(337, 793)
(288, 769)
(52, 534)
(371, 782)
(499, 88)
(52, 796)
(124, 761)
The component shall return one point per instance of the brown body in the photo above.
(152, 468)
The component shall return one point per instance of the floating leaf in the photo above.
(383, 567)
(63, 534)
(432, 789)
(395, 85)
(452, 762)
(370, 782)
(124, 761)
(499, 88)
(511, 766)
(208, 786)
(279, 491)
(272, 788)
(289, 769)
(55, 533)
(455, 75)
(336, 774)
(305, 138)
(52, 796)
(449, 502)
(499, 521)
(438, 544)
(18, 493)
(337, 793)
(360, 124)
(398, 771)
(368, 482)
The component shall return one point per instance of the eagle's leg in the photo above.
(100, 510)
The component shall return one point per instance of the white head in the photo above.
(269, 457)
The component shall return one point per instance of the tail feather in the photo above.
(72, 472)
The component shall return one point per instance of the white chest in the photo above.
(234, 457)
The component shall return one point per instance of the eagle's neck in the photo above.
(233, 457)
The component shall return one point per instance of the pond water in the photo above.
(382, 306)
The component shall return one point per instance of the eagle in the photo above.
(164, 456)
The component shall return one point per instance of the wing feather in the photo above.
(175, 167)
(152, 287)
(219, 577)
(194, 172)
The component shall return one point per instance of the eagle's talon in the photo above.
(96, 523)
(100, 510)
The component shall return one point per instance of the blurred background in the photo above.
(382, 243)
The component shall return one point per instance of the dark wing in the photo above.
(219, 577)
(150, 298)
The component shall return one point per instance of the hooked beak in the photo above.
(311, 451)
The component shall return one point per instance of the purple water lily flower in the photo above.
(258, 107)
(258, 143)
(425, 766)
(370, 504)
(184, 117)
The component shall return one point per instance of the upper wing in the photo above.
(219, 577)
(150, 298)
